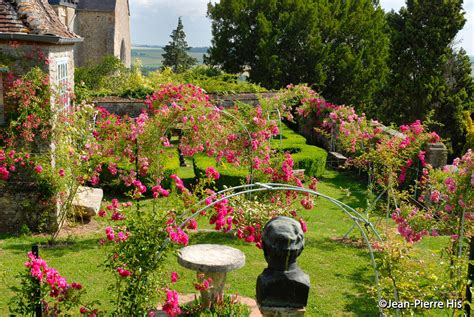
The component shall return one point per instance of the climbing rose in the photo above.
(435, 196)
(304, 226)
(174, 277)
(123, 272)
(171, 306)
(212, 173)
(38, 169)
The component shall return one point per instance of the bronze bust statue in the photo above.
(282, 283)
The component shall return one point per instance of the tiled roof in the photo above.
(9, 22)
(97, 5)
(32, 17)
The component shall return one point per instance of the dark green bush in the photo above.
(308, 157)
(113, 184)
(230, 175)
(312, 159)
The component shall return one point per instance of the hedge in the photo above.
(230, 175)
(308, 157)
(114, 184)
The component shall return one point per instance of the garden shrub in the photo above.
(308, 157)
(312, 159)
(112, 78)
(230, 175)
(289, 136)
(113, 183)
(211, 79)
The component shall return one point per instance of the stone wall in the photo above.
(23, 207)
(97, 29)
(53, 53)
(120, 106)
(122, 39)
(57, 53)
(248, 98)
(2, 102)
(67, 15)
(133, 107)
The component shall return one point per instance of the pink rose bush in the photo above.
(44, 284)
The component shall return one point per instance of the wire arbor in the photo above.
(360, 221)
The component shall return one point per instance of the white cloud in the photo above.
(143, 3)
(392, 4)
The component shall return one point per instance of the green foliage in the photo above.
(426, 73)
(308, 157)
(230, 175)
(211, 79)
(176, 55)
(110, 77)
(340, 47)
(142, 255)
(469, 126)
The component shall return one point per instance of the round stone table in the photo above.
(213, 261)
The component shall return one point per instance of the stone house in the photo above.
(32, 27)
(31, 34)
(104, 25)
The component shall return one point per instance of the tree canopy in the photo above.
(176, 55)
(338, 47)
(427, 74)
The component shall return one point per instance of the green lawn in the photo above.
(339, 273)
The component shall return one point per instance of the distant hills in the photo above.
(150, 55)
(201, 49)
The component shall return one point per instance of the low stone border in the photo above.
(187, 298)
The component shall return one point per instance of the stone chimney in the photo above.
(66, 10)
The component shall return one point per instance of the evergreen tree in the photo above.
(426, 75)
(339, 47)
(176, 55)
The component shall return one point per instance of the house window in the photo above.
(62, 82)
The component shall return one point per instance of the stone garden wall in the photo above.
(133, 107)
(21, 207)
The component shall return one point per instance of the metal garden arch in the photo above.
(360, 221)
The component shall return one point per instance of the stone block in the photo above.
(282, 311)
(436, 154)
(87, 201)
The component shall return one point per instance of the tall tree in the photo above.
(176, 52)
(339, 47)
(426, 75)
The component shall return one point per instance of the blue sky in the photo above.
(153, 20)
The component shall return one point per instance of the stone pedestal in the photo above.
(216, 292)
(281, 311)
(213, 261)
